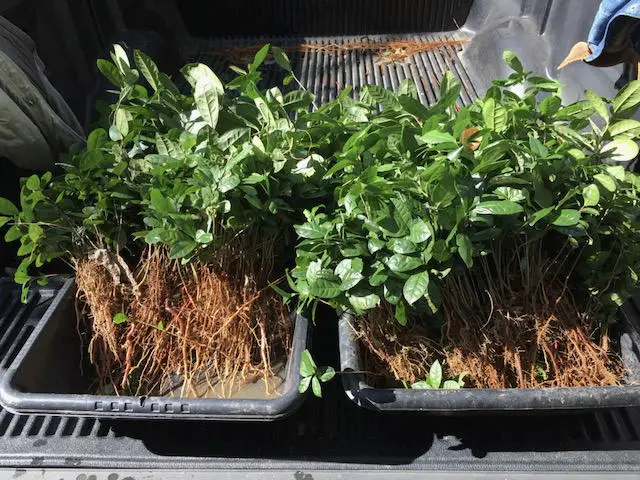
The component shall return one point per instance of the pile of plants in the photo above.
(497, 239)
(177, 218)
(491, 243)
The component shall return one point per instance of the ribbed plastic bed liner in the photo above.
(326, 65)
(330, 433)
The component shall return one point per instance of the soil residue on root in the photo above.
(510, 323)
(217, 323)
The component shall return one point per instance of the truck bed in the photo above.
(331, 437)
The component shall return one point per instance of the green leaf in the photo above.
(260, 56)
(35, 232)
(203, 237)
(497, 207)
(160, 203)
(307, 365)
(304, 384)
(198, 72)
(110, 72)
(316, 387)
(13, 234)
(513, 61)
(401, 263)
(206, 99)
(364, 302)
(435, 374)
(465, 249)
(437, 136)
(550, 105)
(606, 181)
(402, 245)
(420, 231)
(323, 288)
(538, 147)
(567, 218)
(349, 270)
(148, 68)
(119, 318)
(576, 111)
(182, 248)
(313, 231)
(228, 183)
(591, 195)
(622, 149)
(628, 128)
(627, 98)
(4, 221)
(598, 104)
(494, 115)
(8, 208)
(326, 374)
(449, 91)
(282, 59)
(617, 171)
(401, 313)
(451, 385)
(121, 122)
(421, 385)
(416, 287)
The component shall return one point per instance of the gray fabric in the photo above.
(32, 110)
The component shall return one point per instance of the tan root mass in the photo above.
(514, 324)
(200, 323)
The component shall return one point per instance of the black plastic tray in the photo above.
(46, 374)
(484, 400)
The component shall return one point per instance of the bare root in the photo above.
(198, 323)
(512, 323)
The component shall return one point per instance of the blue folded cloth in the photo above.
(601, 29)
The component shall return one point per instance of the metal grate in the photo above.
(332, 433)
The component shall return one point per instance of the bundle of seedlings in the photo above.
(496, 241)
(177, 218)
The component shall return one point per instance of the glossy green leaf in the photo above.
(198, 72)
(304, 384)
(567, 218)
(281, 59)
(307, 365)
(326, 374)
(627, 128)
(498, 207)
(622, 149)
(416, 287)
(401, 313)
(598, 104)
(148, 68)
(465, 249)
(206, 99)
(494, 115)
(363, 303)
(316, 387)
(120, 318)
(606, 181)
(7, 208)
(403, 263)
(513, 61)
(323, 288)
(591, 195)
(435, 374)
(627, 99)
(110, 72)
